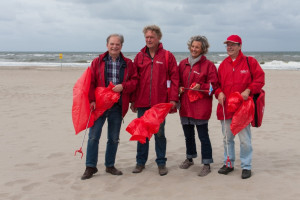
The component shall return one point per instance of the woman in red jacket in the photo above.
(197, 73)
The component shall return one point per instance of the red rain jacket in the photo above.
(152, 75)
(203, 72)
(236, 77)
(129, 79)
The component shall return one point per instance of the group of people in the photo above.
(154, 77)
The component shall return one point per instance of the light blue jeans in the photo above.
(245, 145)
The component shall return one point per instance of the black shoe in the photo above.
(112, 170)
(162, 170)
(225, 170)
(246, 173)
(138, 169)
(89, 171)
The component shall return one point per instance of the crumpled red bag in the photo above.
(105, 99)
(193, 94)
(147, 125)
(81, 106)
(235, 100)
(242, 116)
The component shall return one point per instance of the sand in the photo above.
(38, 141)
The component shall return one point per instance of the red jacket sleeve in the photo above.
(129, 85)
(258, 76)
(93, 86)
(174, 77)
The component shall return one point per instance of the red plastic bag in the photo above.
(235, 100)
(243, 116)
(147, 125)
(81, 105)
(193, 94)
(105, 99)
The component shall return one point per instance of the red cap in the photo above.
(234, 39)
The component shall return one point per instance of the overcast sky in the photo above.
(83, 25)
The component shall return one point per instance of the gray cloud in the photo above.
(83, 25)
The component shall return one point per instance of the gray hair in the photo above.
(199, 38)
(154, 28)
(121, 37)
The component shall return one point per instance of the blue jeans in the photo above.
(191, 151)
(245, 145)
(114, 119)
(160, 145)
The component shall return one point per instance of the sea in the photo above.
(267, 60)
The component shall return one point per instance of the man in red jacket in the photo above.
(113, 67)
(235, 75)
(152, 89)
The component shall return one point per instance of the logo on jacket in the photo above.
(196, 72)
(244, 71)
(158, 62)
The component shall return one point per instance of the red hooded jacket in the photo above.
(234, 76)
(128, 78)
(152, 76)
(203, 72)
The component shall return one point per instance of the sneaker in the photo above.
(162, 170)
(205, 170)
(225, 170)
(246, 173)
(186, 164)
(88, 173)
(138, 169)
(114, 171)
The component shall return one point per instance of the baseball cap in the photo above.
(234, 39)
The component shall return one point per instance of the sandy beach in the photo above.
(38, 141)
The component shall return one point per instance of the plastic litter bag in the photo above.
(194, 95)
(235, 100)
(105, 99)
(147, 125)
(81, 105)
(243, 116)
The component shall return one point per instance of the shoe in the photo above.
(205, 170)
(225, 170)
(88, 173)
(138, 169)
(186, 164)
(162, 170)
(112, 170)
(246, 173)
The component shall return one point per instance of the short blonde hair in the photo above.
(154, 28)
(199, 38)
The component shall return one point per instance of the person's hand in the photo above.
(246, 94)
(118, 88)
(174, 104)
(221, 98)
(181, 90)
(93, 105)
(196, 87)
(133, 109)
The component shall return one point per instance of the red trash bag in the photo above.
(235, 100)
(81, 106)
(193, 94)
(147, 125)
(105, 99)
(243, 116)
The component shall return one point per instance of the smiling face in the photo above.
(233, 49)
(152, 39)
(114, 46)
(196, 49)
